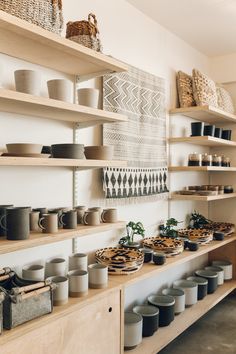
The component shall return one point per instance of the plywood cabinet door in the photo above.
(93, 329)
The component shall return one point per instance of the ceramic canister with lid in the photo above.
(133, 330)
(190, 289)
(212, 278)
(219, 271)
(227, 266)
(150, 315)
(166, 305)
(179, 296)
(202, 284)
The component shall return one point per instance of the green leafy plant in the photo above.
(198, 221)
(132, 229)
(168, 229)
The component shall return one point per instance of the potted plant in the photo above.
(132, 229)
(198, 221)
(168, 229)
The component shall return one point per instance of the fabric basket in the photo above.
(85, 33)
(24, 300)
(44, 13)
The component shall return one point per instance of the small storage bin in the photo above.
(24, 300)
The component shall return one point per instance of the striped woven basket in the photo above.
(44, 13)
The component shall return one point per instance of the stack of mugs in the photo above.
(73, 282)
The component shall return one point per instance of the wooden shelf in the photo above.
(21, 103)
(18, 37)
(149, 270)
(201, 198)
(203, 140)
(207, 114)
(201, 169)
(40, 239)
(49, 162)
(165, 335)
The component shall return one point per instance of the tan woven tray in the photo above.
(169, 246)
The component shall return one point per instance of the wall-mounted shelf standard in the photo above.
(207, 114)
(40, 239)
(201, 169)
(203, 140)
(48, 162)
(21, 103)
(18, 37)
(200, 198)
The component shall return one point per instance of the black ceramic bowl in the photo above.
(68, 151)
(219, 236)
(212, 278)
(193, 246)
(159, 258)
(150, 315)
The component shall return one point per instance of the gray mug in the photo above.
(17, 223)
(3, 211)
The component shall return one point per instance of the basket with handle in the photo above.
(85, 33)
(44, 13)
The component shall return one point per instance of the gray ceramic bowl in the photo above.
(68, 151)
(103, 152)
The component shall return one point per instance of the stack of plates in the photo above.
(201, 236)
(169, 246)
(120, 260)
(225, 227)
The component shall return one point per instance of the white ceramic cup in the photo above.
(60, 89)
(78, 283)
(55, 266)
(98, 276)
(61, 293)
(78, 261)
(28, 81)
(219, 271)
(190, 289)
(88, 97)
(133, 330)
(226, 266)
(179, 296)
(33, 272)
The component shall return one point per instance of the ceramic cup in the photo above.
(80, 213)
(33, 272)
(99, 209)
(226, 134)
(148, 252)
(190, 290)
(16, 223)
(218, 133)
(91, 218)
(88, 97)
(41, 211)
(192, 246)
(34, 221)
(109, 215)
(209, 130)
(98, 276)
(150, 315)
(226, 266)
(49, 223)
(78, 283)
(165, 304)
(59, 212)
(219, 271)
(3, 212)
(202, 284)
(132, 330)
(69, 219)
(78, 261)
(60, 89)
(179, 297)
(212, 278)
(61, 293)
(159, 258)
(28, 81)
(55, 266)
(197, 128)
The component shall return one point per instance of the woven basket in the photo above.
(44, 13)
(85, 33)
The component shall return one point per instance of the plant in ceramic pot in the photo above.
(198, 221)
(169, 228)
(133, 229)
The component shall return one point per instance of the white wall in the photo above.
(126, 34)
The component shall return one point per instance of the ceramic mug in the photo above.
(78, 283)
(41, 211)
(60, 89)
(69, 219)
(98, 276)
(49, 223)
(132, 330)
(3, 211)
(179, 297)
(109, 215)
(27, 81)
(33, 272)
(61, 292)
(16, 223)
(78, 261)
(91, 218)
(34, 221)
(88, 97)
(80, 213)
(99, 209)
(55, 266)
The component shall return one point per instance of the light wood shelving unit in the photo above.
(21, 103)
(203, 140)
(201, 198)
(40, 239)
(201, 169)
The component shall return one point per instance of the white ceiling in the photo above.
(207, 25)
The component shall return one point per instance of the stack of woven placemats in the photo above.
(201, 236)
(120, 260)
(169, 246)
